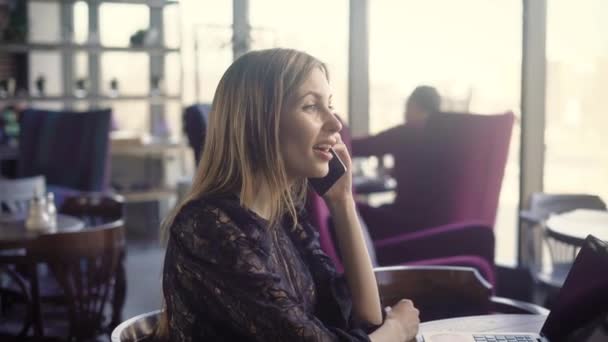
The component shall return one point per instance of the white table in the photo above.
(573, 227)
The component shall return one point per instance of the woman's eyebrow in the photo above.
(315, 94)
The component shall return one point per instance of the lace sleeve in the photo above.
(222, 273)
(334, 296)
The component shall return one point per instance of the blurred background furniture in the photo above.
(70, 149)
(23, 273)
(453, 174)
(15, 194)
(194, 121)
(84, 264)
(98, 209)
(16, 306)
(71, 88)
(466, 244)
(535, 238)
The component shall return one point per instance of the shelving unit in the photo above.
(156, 52)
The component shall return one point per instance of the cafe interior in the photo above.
(104, 107)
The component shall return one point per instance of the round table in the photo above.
(14, 236)
(13, 233)
(487, 324)
(573, 227)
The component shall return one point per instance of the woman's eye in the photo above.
(309, 108)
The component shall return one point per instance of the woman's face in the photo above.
(308, 128)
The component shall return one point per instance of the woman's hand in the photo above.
(405, 317)
(342, 189)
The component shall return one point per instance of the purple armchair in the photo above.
(448, 171)
(70, 149)
(463, 244)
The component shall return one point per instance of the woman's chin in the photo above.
(320, 172)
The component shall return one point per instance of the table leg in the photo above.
(37, 317)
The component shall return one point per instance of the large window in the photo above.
(317, 27)
(208, 25)
(471, 51)
(577, 106)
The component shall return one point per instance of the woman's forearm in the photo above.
(357, 264)
(387, 332)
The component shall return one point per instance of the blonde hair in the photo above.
(242, 145)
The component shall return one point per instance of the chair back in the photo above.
(84, 264)
(195, 120)
(137, 329)
(542, 205)
(71, 149)
(97, 209)
(441, 292)
(94, 208)
(15, 194)
(437, 291)
(455, 172)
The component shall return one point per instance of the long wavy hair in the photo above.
(242, 147)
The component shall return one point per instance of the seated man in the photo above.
(397, 141)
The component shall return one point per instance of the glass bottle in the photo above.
(37, 218)
(51, 211)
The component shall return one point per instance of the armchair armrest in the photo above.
(465, 238)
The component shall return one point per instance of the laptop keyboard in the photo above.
(503, 338)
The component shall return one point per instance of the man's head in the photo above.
(423, 101)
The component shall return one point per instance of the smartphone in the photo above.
(336, 170)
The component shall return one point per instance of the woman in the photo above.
(242, 261)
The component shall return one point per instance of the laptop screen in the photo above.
(584, 296)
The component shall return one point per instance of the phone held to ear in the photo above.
(336, 170)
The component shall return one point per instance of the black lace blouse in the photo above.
(229, 277)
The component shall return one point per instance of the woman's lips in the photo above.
(323, 154)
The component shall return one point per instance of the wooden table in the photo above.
(13, 233)
(573, 227)
(14, 236)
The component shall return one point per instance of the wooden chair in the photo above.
(437, 291)
(15, 194)
(97, 209)
(15, 305)
(84, 263)
(137, 329)
(94, 208)
(445, 291)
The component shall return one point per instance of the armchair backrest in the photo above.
(457, 169)
(70, 149)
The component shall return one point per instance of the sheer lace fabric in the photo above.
(228, 276)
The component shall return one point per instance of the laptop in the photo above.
(581, 305)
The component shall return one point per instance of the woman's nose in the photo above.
(333, 124)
